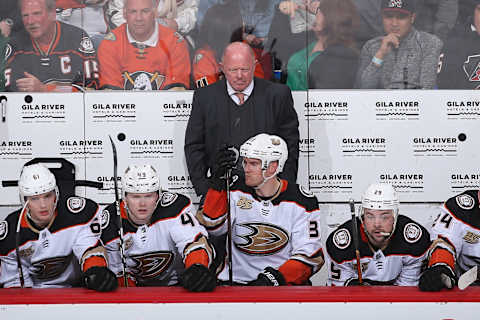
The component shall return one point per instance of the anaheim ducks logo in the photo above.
(152, 264)
(50, 268)
(143, 81)
(263, 239)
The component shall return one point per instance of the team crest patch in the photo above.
(342, 238)
(244, 203)
(110, 36)
(168, 198)
(465, 201)
(86, 46)
(260, 238)
(470, 237)
(197, 58)
(143, 81)
(412, 232)
(104, 219)
(76, 204)
(3, 229)
(306, 192)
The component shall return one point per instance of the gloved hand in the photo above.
(198, 278)
(269, 277)
(435, 278)
(100, 279)
(225, 159)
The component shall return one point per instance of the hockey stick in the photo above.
(229, 227)
(468, 278)
(355, 239)
(17, 244)
(117, 205)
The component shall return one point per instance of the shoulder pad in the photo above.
(76, 204)
(412, 232)
(168, 198)
(465, 201)
(3, 229)
(306, 192)
(86, 45)
(110, 36)
(104, 218)
(197, 58)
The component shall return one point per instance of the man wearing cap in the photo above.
(404, 58)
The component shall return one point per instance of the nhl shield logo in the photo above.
(465, 201)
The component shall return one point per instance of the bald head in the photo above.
(238, 64)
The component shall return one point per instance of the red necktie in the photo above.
(241, 97)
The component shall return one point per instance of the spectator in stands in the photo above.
(3, 45)
(290, 29)
(459, 65)
(50, 55)
(234, 109)
(332, 49)
(85, 14)
(402, 59)
(215, 34)
(437, 17)
(10, 20)
(178, 15)
(141, 54)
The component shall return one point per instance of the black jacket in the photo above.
(216, 120)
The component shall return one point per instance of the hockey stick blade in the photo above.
(468, 278)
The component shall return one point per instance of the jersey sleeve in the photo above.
(205, 69)
(307, 254)
(190, 238)
(411, 270)
(9, 273)
(213, 214)
(110, 70)
(179, 69)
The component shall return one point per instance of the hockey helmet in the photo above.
(380, 196)
(140, 179)
(36, 179)
(266, 148)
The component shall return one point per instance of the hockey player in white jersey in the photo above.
(51, 243)
(455, 248)
(164, 243)
(392, 247)
(275, 224)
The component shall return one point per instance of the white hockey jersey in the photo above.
(56, 255)
(156, 254)
(456, 233)
(283, 232)
(400, 263)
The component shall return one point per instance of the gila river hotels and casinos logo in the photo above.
(326, 110)
(81, 149)
(363, 146)
(180, 184)
(461, 181)
(463, 110)
(178, 111)
(307, 147)
(114, 112)
(151, 148)
(404, 182)
(397, 110)
(328, 183)
(439, 146)
(16, 149)
(42, 113)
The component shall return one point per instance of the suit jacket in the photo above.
(216, 120)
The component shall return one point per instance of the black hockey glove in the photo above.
(436, 278)
(198, 278)
(269, 277)
(225, 159)
(100, 279)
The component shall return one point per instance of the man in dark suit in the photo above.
(230, 111)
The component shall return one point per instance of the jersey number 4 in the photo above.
(446, 220)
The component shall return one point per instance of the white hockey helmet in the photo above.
(267, 148)
(140, 179)
(36, 179)
(381, 196)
